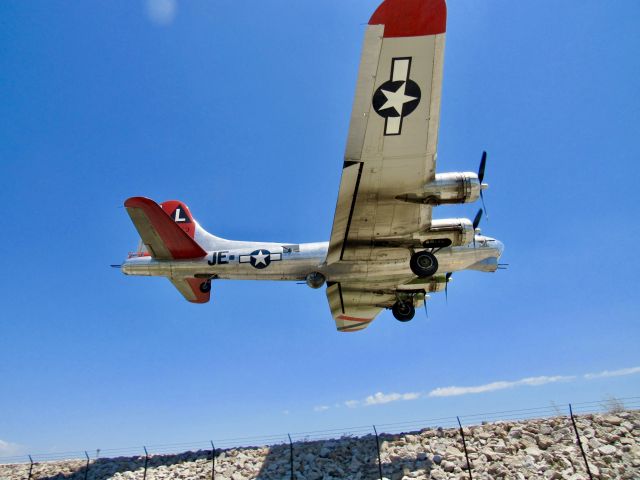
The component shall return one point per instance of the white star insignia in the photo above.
(397, 99)
(260, 258)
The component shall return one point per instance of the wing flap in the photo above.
(164, 239)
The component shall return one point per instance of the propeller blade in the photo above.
(446, 286)
(486, 214)
(483, 163)
(476, 220)
(115, 266)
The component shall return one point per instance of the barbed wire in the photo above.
(553, 410)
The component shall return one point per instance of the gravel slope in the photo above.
(531, 449)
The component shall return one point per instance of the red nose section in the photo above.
(411, 18)
(180, 214)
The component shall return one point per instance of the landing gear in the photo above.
(423, 264)
(403, 310)
(205, 287)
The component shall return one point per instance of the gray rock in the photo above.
(612, 420)
(607, 450)
(448, 466)
(544, 441)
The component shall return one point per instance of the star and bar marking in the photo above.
(260, 258)
(397, 97)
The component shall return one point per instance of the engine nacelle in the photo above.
(454, 187)
(448, 232)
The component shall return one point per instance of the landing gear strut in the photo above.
(403, 310)
(423, 263)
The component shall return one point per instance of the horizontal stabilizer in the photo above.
(352, 309)
(192, 289)
(163, 237)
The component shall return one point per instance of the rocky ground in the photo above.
(532, 449)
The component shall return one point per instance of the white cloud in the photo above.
(8, 448)
(320, 408)
(380, 398)
(493, 386)
(161, 12)
(613, 373)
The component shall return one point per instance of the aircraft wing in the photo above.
(391, 145)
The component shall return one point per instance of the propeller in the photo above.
(476, 222)
(115, 266)
(446, 286)
(483, 164)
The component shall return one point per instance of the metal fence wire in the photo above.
(213, 448)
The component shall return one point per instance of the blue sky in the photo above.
(241, 110)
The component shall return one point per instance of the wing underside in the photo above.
(391, 146)
(390, 153)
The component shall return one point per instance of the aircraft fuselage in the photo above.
(285, 261)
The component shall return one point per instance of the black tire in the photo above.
(423, 264)
(403, 311)
(205, 287)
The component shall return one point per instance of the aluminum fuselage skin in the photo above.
(285, 261)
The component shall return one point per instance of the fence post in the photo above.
(584, 456)
(378, 449)
(146, 461)
(213, 461)
(464, 444)
(30, 467)
(291, 456)
(86, 467)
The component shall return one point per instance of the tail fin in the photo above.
(181, 215)
(168, 231)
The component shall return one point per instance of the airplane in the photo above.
(385, 250)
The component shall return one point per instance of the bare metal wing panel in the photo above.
(354, 309)
(391, 146)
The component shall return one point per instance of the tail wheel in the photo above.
(403, 311)
(205, 287)
(423, 264)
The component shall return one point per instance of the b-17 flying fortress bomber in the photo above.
(385, 251)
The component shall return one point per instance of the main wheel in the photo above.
(423, 264)
(403, 311)
(205, 287)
